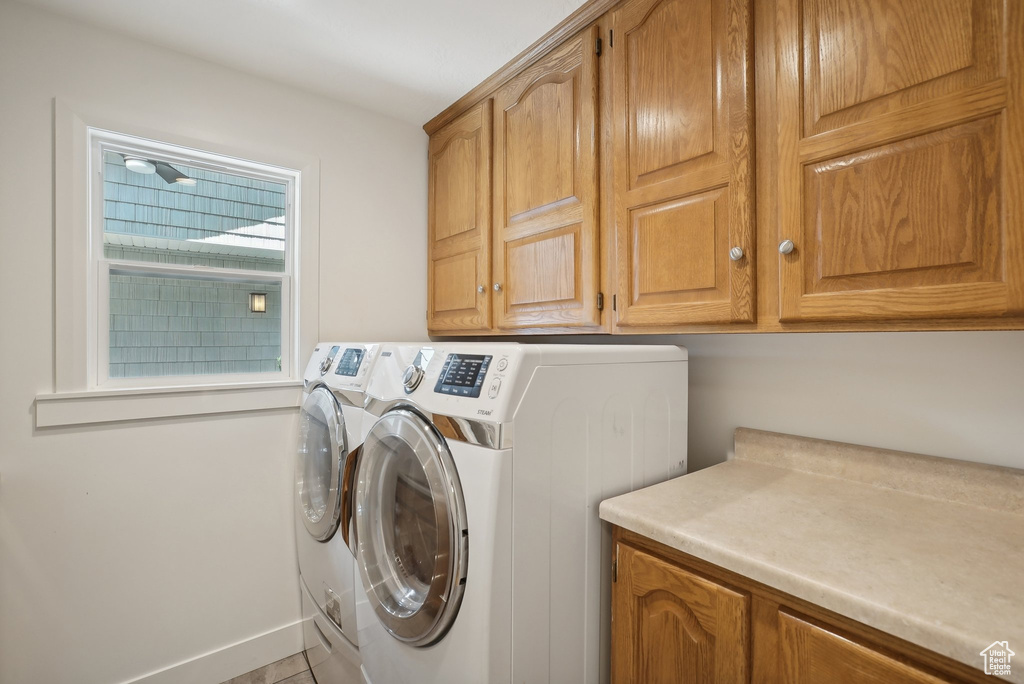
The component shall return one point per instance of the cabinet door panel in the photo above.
(546, 252)
(899, 177)
(867, 57)
(682, 162)
(670, 626)
(812, 654)
(460, 224)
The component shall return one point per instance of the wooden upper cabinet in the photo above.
(671, 626)
(546, 252)
(900, 168)
(459, 224)
(682, 162)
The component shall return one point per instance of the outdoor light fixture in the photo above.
(140, 165)
(171, 174)
(258, 302)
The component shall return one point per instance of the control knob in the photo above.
(411, 378)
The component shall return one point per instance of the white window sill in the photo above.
(107, 406)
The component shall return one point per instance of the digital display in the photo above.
(349, 364)
(463, 375)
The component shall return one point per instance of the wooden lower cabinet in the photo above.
(670, 626)
(679, 620)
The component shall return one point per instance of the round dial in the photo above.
(411, 378)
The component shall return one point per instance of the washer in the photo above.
(330, 434)
(479, 546)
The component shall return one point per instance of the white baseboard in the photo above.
(224, 663)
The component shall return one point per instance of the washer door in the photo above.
(321, 462)
(413, 542)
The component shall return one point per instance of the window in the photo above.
(193, 259)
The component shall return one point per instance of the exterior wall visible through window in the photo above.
(180, 246)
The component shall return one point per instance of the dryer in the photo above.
(330, 433)
(479, 547)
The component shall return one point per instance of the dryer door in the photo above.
(411, 533)
(321, 461)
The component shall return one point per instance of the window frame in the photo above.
(99, 267)
(68, 399)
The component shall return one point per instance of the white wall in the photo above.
(952, 394)
(127, 548)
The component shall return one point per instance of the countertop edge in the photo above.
(877, 616)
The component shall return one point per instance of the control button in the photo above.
(492, 391)
(502, 364)
(411, 378)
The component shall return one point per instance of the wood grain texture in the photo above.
(909, 214)
(896, 200)
(870, 48)
(840, 662)
(545, 192)
(542, 119)
(555, 256)
(665, 236)
(863, 58)
(459, 224)
(811, 653)
(671, 94)
(682, 162)
(672, 626)
(454, 281)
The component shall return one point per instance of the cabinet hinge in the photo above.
(597, 47)
(615, 565)
(614, 303)
(600, 301)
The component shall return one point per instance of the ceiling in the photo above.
(406, 58)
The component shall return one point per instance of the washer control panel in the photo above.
(463, 375)
(349, 363)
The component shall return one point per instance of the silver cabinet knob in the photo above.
(736, 253)
(497, 287)
(481, 289)
(786, 246)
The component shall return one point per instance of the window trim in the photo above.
(73, 290)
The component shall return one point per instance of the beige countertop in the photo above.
(929, 550)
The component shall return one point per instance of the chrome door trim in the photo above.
(430, 620)
(469, 430)
(345, 397)
(324, 528)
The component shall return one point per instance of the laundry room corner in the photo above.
(162, 550)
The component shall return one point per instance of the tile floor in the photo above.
(290, 670)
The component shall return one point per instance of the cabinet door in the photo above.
(545, 191)
(813, 654)
(671, 626)
(683, 161)
(459, 206)
(900, 158)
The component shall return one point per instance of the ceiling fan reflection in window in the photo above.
(170, 174)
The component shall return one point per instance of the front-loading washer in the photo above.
(330, 433)
(479, 547)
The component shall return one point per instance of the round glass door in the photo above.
(321, 459)
(413, 543)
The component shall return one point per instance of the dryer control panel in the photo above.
(463, 374)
